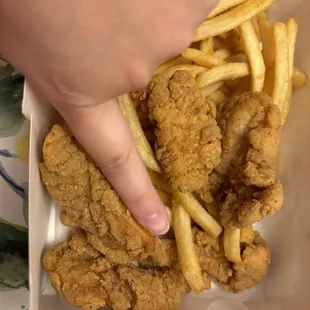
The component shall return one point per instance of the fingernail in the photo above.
(158, 223)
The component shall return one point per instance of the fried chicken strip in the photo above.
(188, 139)
(251, 128)
(87, 280)
(79, 187)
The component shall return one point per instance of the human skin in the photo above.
(81, 54)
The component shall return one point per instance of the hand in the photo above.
(81, 54)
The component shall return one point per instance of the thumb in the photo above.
(105, 135)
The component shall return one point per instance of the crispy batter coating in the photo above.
(251, 128)
(244, 205)
(188, 139)
(87, 280)
(251, 131)
(80, 189)
(233, 277)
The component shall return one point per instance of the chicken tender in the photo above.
(251, 128)
(242, 206)
(188, 143)
(87, 280)
(233, 277)
(79, 187)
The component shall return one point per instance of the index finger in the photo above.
(105, 135)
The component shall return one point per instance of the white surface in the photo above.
(288, 233)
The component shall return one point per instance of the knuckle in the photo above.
(117, 161)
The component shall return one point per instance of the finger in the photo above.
(104, 133)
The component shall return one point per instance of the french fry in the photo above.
(224, 72)
(159, 182)
(266, 31)
(281, 66)
(256, 28)
(299, 78)
(222, 53)
(198, 213)
(143, 146)
(66, 220)
(223, 6)
(166, 198)
(188, 260)
(247, 235)
(232, 244)
(231, 18)
(193, 70)
(208, 90)
(207, 46)
(178, 60)
(292, 29)
(218, 97)
(169, 213)
(201, 58)
(252, 49)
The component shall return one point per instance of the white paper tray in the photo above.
(288, 233)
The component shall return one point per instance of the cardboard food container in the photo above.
(287, 285)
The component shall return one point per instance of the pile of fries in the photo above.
(235, 50)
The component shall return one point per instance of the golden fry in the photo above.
(207, 46)
(198, 213)
(252, 49)
(66, 220)
(247, 235)
(143, 146)
(222, 53)
(218, 97)
(223, 6)
(159, 182)
(256, 28)
(292, 29)
(281, 66)
(232, 244)
(227, 71)
(231, 19)
(193, 70)
(166, 198)
(210, 89)
(188, 260)
(299, 78)
(266, 31)
(178, 60)
(201, 58)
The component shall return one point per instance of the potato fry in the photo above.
(299, 78)
(166, 198)
(207, 46)
(159, 182)
(193, 70)
(224, 72)
(253, 51)
(292, 29)
(188, 260)
(201, 58)
(178, 60)
(198, 213)
(247, 235)
(231, 18)
(66, 220)
(281, 66)
(218, 97)
(208, 90)
(232, 244)
(266, 31)
(169, 212)
(143, 146)
(256, 28)
(222, 53)
(223, 6)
